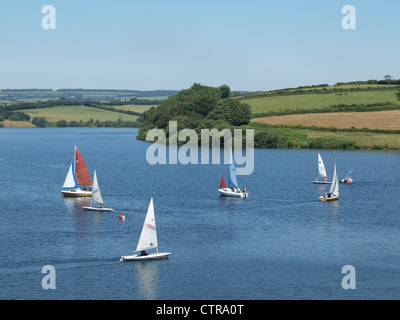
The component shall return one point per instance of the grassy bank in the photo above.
(279, 136)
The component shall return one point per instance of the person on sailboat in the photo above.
(143, 253)
(325, 196)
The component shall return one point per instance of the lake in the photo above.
(280, 243)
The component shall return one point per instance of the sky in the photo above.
(252, 45)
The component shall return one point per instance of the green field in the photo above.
(311, 101)
(77, 113)
(135, 108)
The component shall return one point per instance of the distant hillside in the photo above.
(106, 95)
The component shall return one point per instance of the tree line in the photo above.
(42, 122)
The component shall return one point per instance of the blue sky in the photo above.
(159, 44)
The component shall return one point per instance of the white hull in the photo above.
(227, 192)
(346, 181)
(154, 256)
(76, 193)
(322, 182)
(98, 209)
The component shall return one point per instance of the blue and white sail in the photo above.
(70, 180)
(232, 172)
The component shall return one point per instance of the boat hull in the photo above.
(153, 256)
(98, 209)
(346, 181)
(322, 182)
(323, 199)
(74, 193)
(227, 192)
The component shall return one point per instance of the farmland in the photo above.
(364, 117)
(312, 101)
(385, 120)
(77, 113)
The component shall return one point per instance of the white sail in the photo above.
(334, 191)
(321, 168)
(148, 237)
(70, 182)
(349, 175)
(96, 195)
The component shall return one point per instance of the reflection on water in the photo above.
(148, 279)
(74, 204)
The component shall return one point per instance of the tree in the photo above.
(225, 91)
(62, 123)
(231, 111)
(39, 121)
(388, 78)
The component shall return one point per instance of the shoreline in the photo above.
(363, 141)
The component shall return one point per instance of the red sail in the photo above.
(82, 175)
(222, 185)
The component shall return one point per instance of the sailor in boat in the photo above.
(101, 205)
(143, 253)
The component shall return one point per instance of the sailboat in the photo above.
(97, 200)
(233, 190)
(78, 175)
(147, 240)
(321, 172)
(348, 178)
(334, 190)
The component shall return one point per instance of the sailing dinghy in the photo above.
(147, 240)
(78, 175)
(348, 178)
(233, 190)
(321, 172)
(97, 200)
(334, 190)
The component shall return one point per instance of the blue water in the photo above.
(281, 243)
